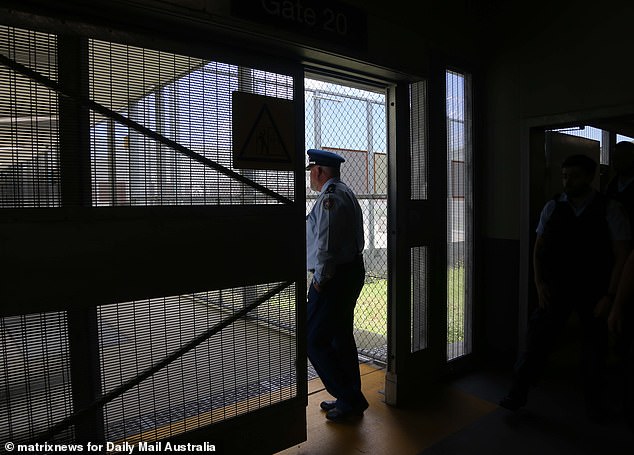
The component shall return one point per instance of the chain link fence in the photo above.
(352, 123)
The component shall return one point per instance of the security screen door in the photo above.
(431, 265)
(150, 289)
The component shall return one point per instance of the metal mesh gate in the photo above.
(185, 100)
(459, 200)
(35, 388)
(352, 122)
(247, 366)
(29, 149)
(160, 135)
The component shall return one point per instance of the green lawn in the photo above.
(455, 307)
(371, 310)
(370, 314)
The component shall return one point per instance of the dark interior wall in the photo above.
(566, 63)
(401, 39)
(577, 63)
(580, 62)
(401, 35)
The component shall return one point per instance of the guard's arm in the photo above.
(326, 240)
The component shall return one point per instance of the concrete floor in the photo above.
(385, 430)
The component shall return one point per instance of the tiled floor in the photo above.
(385, 430)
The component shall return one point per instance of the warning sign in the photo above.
(263, 132)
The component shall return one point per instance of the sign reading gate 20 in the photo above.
(326, 20)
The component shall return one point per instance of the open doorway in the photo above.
(551, 142)
(351, 121)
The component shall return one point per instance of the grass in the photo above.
(370, 314)
(371, 309)
(455, 307)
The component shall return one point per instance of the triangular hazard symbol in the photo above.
(264, 142)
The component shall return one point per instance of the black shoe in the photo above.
(512, 402)
(328, 405)
(337, 415)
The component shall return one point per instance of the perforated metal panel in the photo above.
(183, 99)
(35, 389)
(351, 122)
(419, 301)
(419, 298)
(418, 140)
(29, 138)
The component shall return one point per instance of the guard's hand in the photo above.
(602, 308)
(316, 286)
(543, 293)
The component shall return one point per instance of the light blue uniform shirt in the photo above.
(334, 230)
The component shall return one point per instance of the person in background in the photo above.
(582, 242)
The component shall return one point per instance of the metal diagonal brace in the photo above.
(108, 397)
(109, 113)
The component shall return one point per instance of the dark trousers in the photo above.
(331, 346)
(544, 328)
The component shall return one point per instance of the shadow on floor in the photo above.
(385, 430)
(465, 420)
(553, 422)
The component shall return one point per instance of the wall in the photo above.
(563, 62)
(401, 36)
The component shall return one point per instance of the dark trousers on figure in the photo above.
(331, 346)
(544, 329)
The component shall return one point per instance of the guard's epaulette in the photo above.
(331, 188)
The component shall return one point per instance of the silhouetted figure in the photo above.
(334, 242)
(621, 322)
(621, 187)
(582, 242)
